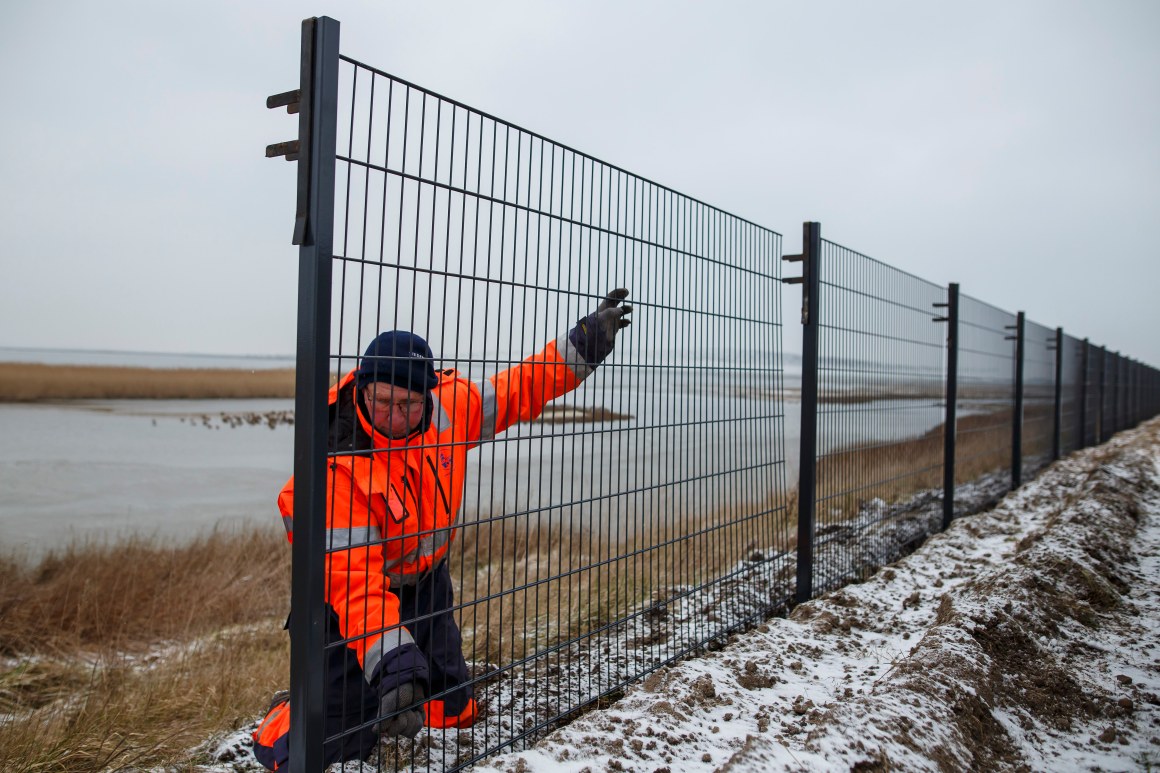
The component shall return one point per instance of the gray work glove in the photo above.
(409, 723)
(595, 335)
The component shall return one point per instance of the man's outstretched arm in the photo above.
(521, 392)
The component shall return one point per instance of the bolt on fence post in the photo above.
(314, 233)
(950, 424)
(808, 447)
(1057, 415)
(1017, 420)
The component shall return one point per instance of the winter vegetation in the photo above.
(1020, 638)
(33, 382)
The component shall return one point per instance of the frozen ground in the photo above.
(1023, 638)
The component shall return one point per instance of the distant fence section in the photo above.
(594, 521)
(872, 410)
(891, 361)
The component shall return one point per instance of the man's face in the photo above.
(395, 412)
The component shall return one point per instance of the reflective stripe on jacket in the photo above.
(391, 505)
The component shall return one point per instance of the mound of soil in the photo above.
(1023, 638)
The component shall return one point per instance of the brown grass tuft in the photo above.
(524, 586)
(131, 654)
(124, 595)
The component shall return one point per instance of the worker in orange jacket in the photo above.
(398, 440)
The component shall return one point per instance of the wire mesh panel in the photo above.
(1108, 394)
(986, 398)
(880, 413)
(1038, 397)
(1123, 384)
(1071, 395)
(1093, 366)
(567, 522)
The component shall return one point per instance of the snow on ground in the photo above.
(1024, 638)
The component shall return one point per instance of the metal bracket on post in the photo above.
(298, 149)
(950, 423)
(810, 259)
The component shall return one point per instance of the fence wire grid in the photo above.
(569, 525)
(880, 412)
(620, 526)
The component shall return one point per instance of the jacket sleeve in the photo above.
(521, 392)
(358, 590)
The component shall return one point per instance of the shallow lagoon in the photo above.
(106, 469)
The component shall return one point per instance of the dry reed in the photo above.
(525, 586)
(30, 382)
(131, 654)
(81, 704)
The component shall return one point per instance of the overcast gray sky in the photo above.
(1013, 147)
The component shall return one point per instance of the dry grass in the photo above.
(896, 471)
(78, 628)
(133, 654)
(28, 382)
(524, 586)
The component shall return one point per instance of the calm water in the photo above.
(105, 469)
(108, 469)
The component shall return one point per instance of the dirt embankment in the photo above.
(1024, 638)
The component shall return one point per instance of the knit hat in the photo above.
(400, 358)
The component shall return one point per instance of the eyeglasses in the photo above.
(403, 406)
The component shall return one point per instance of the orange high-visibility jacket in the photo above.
(391, 511)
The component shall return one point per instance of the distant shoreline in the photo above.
(34, 382)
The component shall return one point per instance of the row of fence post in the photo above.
(316, 103)
(1106, 421)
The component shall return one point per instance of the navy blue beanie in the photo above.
(400, 358)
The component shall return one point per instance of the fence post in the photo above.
(1103, 381)
(1083, 394)
(950, 424)
(1114, 390)
(314, 233)
(1057, 416)
(810, 258)
(1017, 420)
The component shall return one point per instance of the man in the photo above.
(399, 435)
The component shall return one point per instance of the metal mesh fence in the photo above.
(548, 518)
(1038, 397)
(1093, 367)
(880, 414)
(1108, 394)
(986, 393)
(614, 523)
(1072, 376)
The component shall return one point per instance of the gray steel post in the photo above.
(808, 449)
(1057, 415)
(1083, 394)
(950, 425)
(1100, 406)
(314, 233)
(1017, 419)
